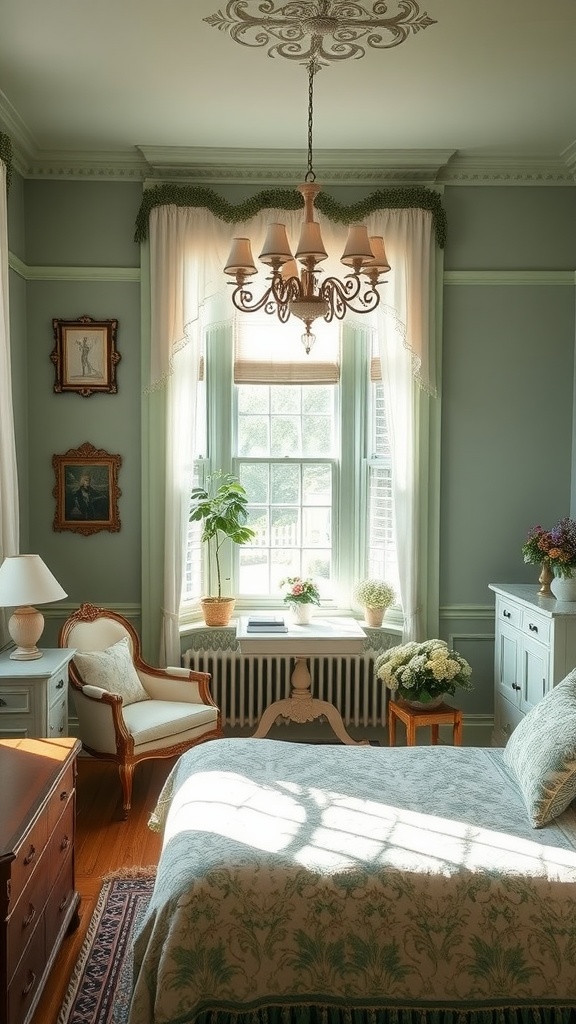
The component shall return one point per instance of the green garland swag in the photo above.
(170, 194)
(6, 157)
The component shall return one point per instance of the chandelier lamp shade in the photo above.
(25, 581)
(295, 285)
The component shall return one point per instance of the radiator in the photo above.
(244, 686)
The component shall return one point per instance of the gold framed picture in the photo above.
(86, 490)
(85, 356)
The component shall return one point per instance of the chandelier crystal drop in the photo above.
(300, 291)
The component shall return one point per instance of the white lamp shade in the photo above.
(24, 582)
(380, 261)
(25, 579)
(311, 244)
(276, 248)
(240, 259)
(358, 248)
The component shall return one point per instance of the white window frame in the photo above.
(352, 436)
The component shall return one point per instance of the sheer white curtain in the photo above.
(407, 371)
(188, 248)
(9, 511)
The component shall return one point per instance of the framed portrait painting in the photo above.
(85, 356)
(86, 490)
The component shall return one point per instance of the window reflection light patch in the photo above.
(282, 818)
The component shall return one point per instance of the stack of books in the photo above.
(266, 624)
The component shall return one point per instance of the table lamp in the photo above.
(25, 579)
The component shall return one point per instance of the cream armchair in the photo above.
(127, 710)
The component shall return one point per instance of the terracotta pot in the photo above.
(217, 611)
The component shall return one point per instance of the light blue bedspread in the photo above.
(300, 881)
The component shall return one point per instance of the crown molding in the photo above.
(485, 168)
(277, 166)
(286, 166)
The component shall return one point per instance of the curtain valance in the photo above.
(6, 157)
(170, 194)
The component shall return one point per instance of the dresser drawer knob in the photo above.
(507, 615)
(515, 686)
(60, 684)
(28, 988)
(31, 915)
(62, 905)
(532, 627)
(65, 843)
(64, 795)
(30, 856)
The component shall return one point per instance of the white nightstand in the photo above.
(34, 695)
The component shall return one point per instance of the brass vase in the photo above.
(545, 578)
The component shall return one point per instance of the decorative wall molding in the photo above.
(467, 611)
(64, 609)
(130, 275)
(510, 277)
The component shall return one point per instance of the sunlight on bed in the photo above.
(326, 831)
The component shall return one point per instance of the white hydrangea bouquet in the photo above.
(423, 671)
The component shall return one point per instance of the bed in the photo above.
(363, 885)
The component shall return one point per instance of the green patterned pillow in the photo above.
(112, 670)
(542, 753)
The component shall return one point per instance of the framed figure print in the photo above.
(85, 356)
(86, 490)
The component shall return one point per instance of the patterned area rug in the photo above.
(99, 990)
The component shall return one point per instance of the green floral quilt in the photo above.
(306, 884)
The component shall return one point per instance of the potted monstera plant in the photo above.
(221, 507)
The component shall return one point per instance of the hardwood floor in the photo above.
(104, 843)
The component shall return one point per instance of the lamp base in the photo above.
(25, 627)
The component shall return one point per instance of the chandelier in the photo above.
(301, 28)
(301, 292)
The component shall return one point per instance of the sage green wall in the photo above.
(507, 399)
(507, 392)
(70, 226)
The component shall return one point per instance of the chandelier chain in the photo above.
(313, 67)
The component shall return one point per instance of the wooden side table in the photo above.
(443, 714)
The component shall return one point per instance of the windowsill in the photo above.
(194, 624)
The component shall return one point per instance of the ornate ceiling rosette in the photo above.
(322, 30)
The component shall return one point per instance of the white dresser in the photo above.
(34, 695)
(535, 647)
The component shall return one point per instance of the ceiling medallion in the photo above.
(326, 30)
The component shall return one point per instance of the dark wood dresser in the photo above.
(38, 900)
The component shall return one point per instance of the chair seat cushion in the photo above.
(161, 720)
(113, 670)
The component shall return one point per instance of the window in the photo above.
(315, 461)
(287, 461)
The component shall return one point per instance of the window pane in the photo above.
(381, 554)
(293, 527)
(192, 583)
(253, 435)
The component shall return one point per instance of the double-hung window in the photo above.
(307, 437)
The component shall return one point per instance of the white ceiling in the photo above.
(81, 77)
